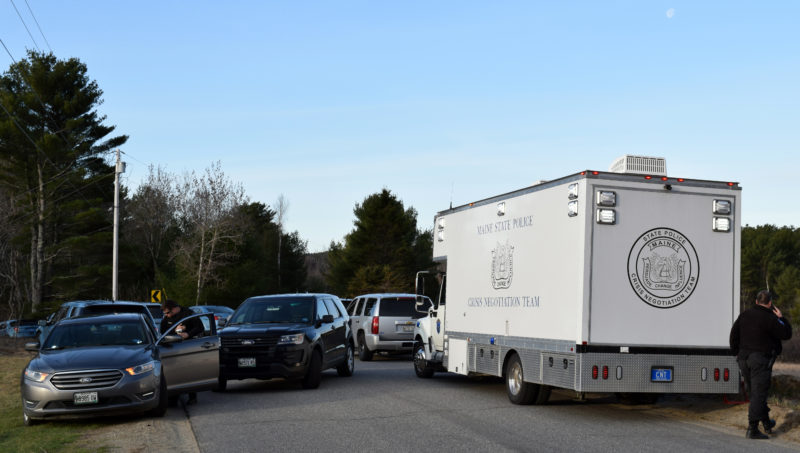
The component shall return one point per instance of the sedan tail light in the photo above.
(375, 324)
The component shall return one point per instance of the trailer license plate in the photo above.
(247, 362)
(85, 398)
(661, 374)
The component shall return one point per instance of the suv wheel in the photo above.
(364, 354)
(314, 373)
(347, 367)
(421, 366)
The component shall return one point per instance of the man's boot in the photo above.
(754, 433)
(768, 425)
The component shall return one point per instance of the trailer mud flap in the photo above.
(457, 356)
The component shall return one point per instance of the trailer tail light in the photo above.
(572, 208)
(605, 372)
(721, 224)
(726, 375)
(606, 198)
(716, 374)
(704, 374)
(722, 207)
(594, 372)
(619, 373)
(376, 324)
(606, 216)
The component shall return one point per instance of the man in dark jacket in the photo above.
(173, 314)
(756, 340)
(191, 328)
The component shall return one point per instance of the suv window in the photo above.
(332, 308)
(399, 306)
(368, 306)
(352, 309)
(321, 309)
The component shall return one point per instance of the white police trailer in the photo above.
(624, 281)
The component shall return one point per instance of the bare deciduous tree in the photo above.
(206, 208)
(281, 207)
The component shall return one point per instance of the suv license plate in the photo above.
(661, 374)
(408, 328)
(85, 398)
(247, 362)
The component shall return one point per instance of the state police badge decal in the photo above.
(663, 268)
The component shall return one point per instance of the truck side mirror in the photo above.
(421, 305)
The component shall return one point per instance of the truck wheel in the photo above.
(314, 373)
(543, 395)
(349, 364)
(421, 366)
(364, 354)
(519, 391)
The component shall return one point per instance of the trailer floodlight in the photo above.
(501, 208)
(440, 235)
(441, 223)
(572, 208)
(573, 191)
(606, 216)
(722, 224)
(606, 198)
(722, 207)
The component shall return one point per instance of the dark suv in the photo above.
(292, 336)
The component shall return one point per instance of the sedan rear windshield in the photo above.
(80, 335)
(275, 310)
(401, 306)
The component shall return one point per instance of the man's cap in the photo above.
(169, 303)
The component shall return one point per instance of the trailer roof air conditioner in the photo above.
(656, 166)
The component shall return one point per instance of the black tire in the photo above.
(28, 421)
(161, 409)
(543, 395)
(222, 384)
(422, 368)
(635, 399)
(346, 368)
(519, 391)
(314, 374)
(364, 354)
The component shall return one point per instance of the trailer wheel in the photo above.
(422, 368)
(519, 391)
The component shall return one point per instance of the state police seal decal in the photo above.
(663, 268)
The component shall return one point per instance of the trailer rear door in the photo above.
(661, 276)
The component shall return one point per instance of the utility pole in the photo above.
(120, 168)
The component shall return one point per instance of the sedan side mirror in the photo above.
(222, 322)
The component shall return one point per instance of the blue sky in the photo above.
(329, 102)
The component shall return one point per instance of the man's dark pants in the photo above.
(757, 372)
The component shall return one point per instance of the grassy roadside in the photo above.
(45, 437)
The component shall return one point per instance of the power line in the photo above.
(24, 24)
(37, 25)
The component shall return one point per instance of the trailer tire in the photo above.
(543, 395)
(422, 368)
(519, 391)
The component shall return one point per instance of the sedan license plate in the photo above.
(85, 398)
(247, 362)
(661, 374)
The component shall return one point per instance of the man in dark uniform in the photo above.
(191, 328)
(756, 340)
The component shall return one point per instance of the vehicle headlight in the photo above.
(292, 339)
(36, 376)
(139, 369)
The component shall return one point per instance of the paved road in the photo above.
(385, 407)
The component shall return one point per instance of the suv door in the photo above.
(191, 364)
(339, 327)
